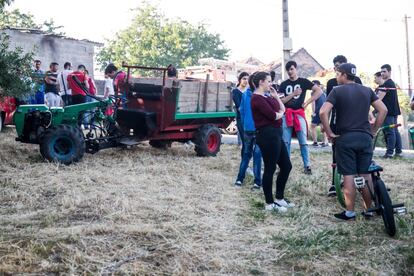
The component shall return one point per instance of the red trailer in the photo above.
(7, 108)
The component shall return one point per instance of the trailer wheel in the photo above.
(160, 144)
(207, 141)
(64, 144)
(1, 122)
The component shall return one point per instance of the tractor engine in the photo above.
(35, 123)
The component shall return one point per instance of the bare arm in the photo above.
(324, 115)
(382, 112)
(316, 93)
(297, 92)
(381, 95)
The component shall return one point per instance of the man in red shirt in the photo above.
(78, 95)
(119, 78)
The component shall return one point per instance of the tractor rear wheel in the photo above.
(64, 144)
(207, 141)
(1, 122)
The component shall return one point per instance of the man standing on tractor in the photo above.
(119, 80)
(294, 90)
(353, 134)
(52, 96)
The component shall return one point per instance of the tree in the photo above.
(154, 40)
(17, 19)
(15, 71)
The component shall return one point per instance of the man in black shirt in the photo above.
(353, 135)
(294, 90)
(337, 61)
(52, 96)
(388, 94)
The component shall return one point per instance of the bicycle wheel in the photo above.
(338, 187)
(387, 211)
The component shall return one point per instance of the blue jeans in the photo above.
(250, 148)
(88, 115)
(301, 135)
(392, 136)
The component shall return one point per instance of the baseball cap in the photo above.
(347, 68)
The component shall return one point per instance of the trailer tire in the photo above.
(64, 144)
(207, 141)
(160, 144)
(1, 121)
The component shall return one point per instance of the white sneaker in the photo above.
(275, 207)
(249, 171)
(285, 203)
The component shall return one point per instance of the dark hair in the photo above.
(291, 63)
(340, 59)
(110, 68)
(81, 66)
(377, 74)
(87, 72)
(348, 77)
(259, 76)
(241, 75)
(386, 66)
(53, 63)
(316, 82)
(250, 81)
(67, 65)
(272, 75)
(171, 71)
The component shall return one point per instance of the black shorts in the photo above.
(353, 153)
(316, 120)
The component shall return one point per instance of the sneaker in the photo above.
(238, 183)
(249, 171)
(308, 170)
(275, 207)
(398, 154)
(315, 144)
(387, 156)
(323, 145)
(285, 203)
(343, 216)
(256, 187)
(367, 215)
(332, 191)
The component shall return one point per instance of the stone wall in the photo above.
(52, 48)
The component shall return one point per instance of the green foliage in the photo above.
(15, 69)
(3, 3)
(17, 19)
(154, 40)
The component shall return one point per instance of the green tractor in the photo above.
(57, 130)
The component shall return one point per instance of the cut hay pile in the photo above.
(152, 212)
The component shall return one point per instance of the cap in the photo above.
(347, 68)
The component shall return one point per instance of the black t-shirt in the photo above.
(52, 87)
(391, 98)
(352, 102)
(287, 87)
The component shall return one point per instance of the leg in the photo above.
(257, 164)
(247, 155)
(314, 134)
(302, 135)
(285, 167)
(389, 135)
(349, 192)
(398, 143)
(366, 195)
(287, 135)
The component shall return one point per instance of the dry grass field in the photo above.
(145, 211)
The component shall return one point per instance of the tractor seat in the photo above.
(374, 167)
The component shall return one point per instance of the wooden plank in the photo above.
(205, 93)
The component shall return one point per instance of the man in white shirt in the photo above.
(62, 78)
(109, 87)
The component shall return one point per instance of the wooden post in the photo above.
(218, 94)
(205, 98)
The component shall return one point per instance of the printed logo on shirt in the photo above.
(289, 90)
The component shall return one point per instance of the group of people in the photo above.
(268, 115)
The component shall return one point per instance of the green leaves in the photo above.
(154, 40)
(15, 71)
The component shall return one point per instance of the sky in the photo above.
(368, 32)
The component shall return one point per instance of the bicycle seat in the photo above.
(374, 167)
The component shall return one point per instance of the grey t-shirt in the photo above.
(352, 102)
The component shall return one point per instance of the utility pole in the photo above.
(408, 56)
(287, 42)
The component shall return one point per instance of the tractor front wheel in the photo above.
(64, 144)
(207, 141)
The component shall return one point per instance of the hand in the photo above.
(305, 104)
(332, 136)
(272, 92)
(313, 115)
(297, 91)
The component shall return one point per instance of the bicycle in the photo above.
(379, 193)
